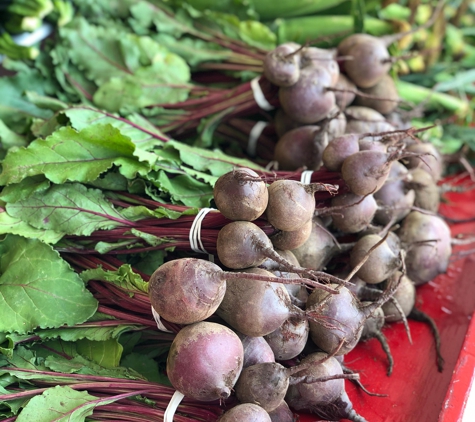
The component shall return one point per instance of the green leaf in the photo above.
(146, 366)
(106, 353)
(215, 161)
(123, 277)
(10, 139)
(38, 288)
(137, 128)
(9, 224)
(75, 156)
(69, 208)
(184, 189)
(459, 81)
(60, 404)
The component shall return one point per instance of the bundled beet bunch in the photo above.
(202, 213)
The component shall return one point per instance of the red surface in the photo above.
(416, 391)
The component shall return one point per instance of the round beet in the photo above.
(205, 361)
(345, 93)
(282, 413)
(291, 240)
(365, 120)
(314, 56)
(405, 296)
(381, 263)
(428, 241)
(245, 412)
(309, 101)
(319, 248)
(281, 65)
(256, 350)
(339, 149)
(301, 147)
(291, 204)
(289, 339)
(354, 213)
(255, 308)
(304, 396)
(184, 291)
(366, 171)
(240, 195)
(427, 194)
(384, 96)
(370, 59)
(431, 161)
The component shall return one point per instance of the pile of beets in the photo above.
(267, 323)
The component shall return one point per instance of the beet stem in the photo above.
(307, 379)
(384, 344)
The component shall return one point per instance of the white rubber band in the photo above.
(195, 231)
(306, 177)
(159, 322)
(256, 131)
(28, 39)
(172, 406)
(259, 95)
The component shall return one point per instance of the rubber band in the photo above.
(195, 231)
(306, 177)
(28, 39)
(158, 320)
(172, 406)
(259, 95)
(254, 135)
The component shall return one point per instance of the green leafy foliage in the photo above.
(69, 155)
(38, 288)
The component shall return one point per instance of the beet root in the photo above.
(256, 350)
(205, 361)
(239, 195)
(245, 412)
(184, 291)
(289, 339)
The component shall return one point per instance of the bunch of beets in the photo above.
(269, 321)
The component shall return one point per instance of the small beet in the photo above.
(281, 65)
(247, 412)
(385, 96)
(370, 59)
(301, 147)
(382, 260)
(289, 339)
(339, 149)
(240, 195)
(291, 204)
(309, 101)
(205, 361)
(354, 213)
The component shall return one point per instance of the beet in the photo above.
(281, 65)
(394, 199)
(205, 361)
(430, 162)
(283, 123)
(187, 290)
(308, 101)
(427, 194)
(385, 96)
(366, 171)
(370, 59)
(301, 147)
(346, 91)
(256, 350)
(319, 248)
(339, 149)
(240, 195)
(405, 296)
(289, 339)
(291, 204)
(355, 214)
(245, 412)
(382, 260)
(254, 308)
(365, 120)
(286, 240)
(314, 56)
(282, 413)
(428, 242)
